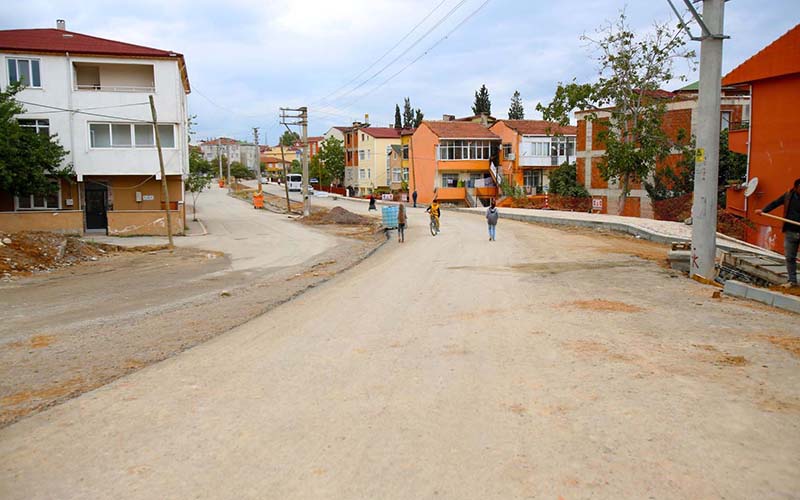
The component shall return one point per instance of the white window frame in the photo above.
(132, 145)
(30, 70)
(45, 207)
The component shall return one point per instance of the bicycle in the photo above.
(434, 225)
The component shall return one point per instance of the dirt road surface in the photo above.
(70, 331)
(549, 364)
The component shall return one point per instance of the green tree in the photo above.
(732, 165)
(564, 182)
(240, 171)
(398, 121)
(482, 102)
(200, 173)
(673, 181)
(289, 138)
(408, 114)
(418, 117)
(517, 110)
(632, 69)
(29, 161)
(297, 167)
(331, 154)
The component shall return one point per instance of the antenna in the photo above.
(751, 187)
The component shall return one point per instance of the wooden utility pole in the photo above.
(302, 116)
(164, 188)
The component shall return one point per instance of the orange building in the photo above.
(531, 149)
(772, 138)
(452, 160)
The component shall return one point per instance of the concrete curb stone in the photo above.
(775, 299)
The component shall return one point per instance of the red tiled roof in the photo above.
(539, 127)
(223, 140)
(316, 138)
(56, 41)
(460, 130)
(382, 132)
(408, 131)
(781, 57)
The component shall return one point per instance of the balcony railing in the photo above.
(116, 88)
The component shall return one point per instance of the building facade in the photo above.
(233, 150)
(771, 136)
(374, 158)
(454, 161)
(531, 149)
(116, 188)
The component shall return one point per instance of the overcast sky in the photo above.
(246, 58)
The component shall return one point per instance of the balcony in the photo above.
(114, 77)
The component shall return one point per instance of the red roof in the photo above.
(222, 140)
(459, 130)
(316, 138)
(781, 57)
(382, 132)
(539, 127)
(56, 41)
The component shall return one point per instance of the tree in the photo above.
(297, 167)
(632, 69)
(516, 111)
(482, 102)
(29, 161)
(331, 153)
(408, 114)
(289, 138)
(240, 171)
(418, 116)
(397, 120)
(564, 182)
(200, 173)
(732, 165)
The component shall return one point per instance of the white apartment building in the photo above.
(235, 151)
(93, 94)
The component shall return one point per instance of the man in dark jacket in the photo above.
(491, 218)
(791, 232)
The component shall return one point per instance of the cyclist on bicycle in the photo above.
(435, 212)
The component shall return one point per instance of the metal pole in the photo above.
(164, 188)
(304, 128)
(704, 207)
(258, 158)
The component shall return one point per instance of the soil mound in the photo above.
(28, 252)
(338, 215)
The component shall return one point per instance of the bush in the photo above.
(241, 172)
(564, 182)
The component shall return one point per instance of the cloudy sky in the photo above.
(345, 58)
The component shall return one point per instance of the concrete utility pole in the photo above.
(704, 207)
(164, 188)
(219, 155)
(258, 157)
(302, 116)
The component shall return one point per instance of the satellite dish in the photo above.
(751, 187)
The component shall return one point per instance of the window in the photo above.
(38, 126)
(405, 174)
(725, 122)
(532, 179)
(464, 150)
(506, 150)
(363, 154)
(405, 152)
(25, 71)
(450, 180)
(129, 135)
(363, 138)
(397, 175)
(40, 201)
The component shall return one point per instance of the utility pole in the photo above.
(302, 117)
(164, 188)
(704, 206)
(286, 181)
(258, 157)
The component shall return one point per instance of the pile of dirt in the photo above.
(604, 305)
(31, 251)
(338, 215)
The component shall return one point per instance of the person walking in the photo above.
(414, 197)
(372, 203)
(401, 223)
(491, 218)
(791, 232)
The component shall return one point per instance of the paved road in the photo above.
(545, 365)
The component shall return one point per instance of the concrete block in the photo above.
(735, 289)
(760, 295)
(786, 302)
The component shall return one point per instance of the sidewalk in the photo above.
(660, 231)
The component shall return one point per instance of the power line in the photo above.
(481, 6)
(407, 50)
(137, 120)
(427, 16)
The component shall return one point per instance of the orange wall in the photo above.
(60, 221)
(774, 152)
(424, 163)
(144, 222)
(124, 189)
(509, 135)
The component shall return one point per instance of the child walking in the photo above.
(491, 217)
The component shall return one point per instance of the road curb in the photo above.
(775, 299)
